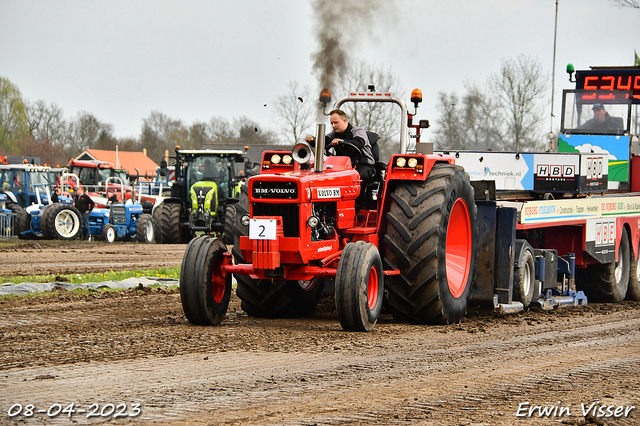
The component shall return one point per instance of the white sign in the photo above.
(328, 192)
(262, 229)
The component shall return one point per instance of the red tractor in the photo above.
(299, 235)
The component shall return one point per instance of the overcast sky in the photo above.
(195, 59)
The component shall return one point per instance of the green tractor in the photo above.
(203, 196)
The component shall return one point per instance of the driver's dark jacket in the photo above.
(358, 137)
(609, 123)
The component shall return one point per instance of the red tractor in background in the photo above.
(298, 234)
(98, 177)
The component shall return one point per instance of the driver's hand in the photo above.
(335, 142)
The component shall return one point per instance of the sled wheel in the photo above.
(633, 291)
(204, 288)
(64, 222)
(108, 233)
(524, 280)
(144, 229)
(607, 282)
(359, 287)
(430, 236)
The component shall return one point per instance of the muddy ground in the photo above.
(135, 350)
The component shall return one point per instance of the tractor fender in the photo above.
(12, 196)
(174, 200)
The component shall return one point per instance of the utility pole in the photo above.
(553, 80)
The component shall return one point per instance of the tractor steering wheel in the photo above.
(352, 148)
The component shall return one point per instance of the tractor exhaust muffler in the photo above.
(318, 165)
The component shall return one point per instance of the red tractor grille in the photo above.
(290, 214)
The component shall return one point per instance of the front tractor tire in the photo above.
(108, 233)
(169, 219)
(359, 287)
(204, 288)
(144, 229)
(431, 237)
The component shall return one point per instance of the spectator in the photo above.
(112, 198)
(84, 204)
(56, 193)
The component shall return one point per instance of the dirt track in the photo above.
(136, 347)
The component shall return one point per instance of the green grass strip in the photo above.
(173, 272)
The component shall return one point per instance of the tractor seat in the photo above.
(375, 148)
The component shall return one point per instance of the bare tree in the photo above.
(219, 131)
(86, 131)
(46, 122)
(626, 3)
(295, 110)
(505, 116)
(250, 133)
(160, 133)
(448, 133)
(198, 135)
(519, 89)
(381, 118)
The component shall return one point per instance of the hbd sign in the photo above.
(555, 171)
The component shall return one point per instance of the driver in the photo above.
(602, 120)
(343, 134)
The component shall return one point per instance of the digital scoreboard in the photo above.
(621, 78)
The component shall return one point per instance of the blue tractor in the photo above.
(27, 189)
(129, 221)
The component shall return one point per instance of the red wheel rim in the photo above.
(219, 280)
(372, 288)
(458, 248)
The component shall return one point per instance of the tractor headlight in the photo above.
(245, 220)
(106, 215)
(287, 159)
(413, 162)
(401, 162)
(275, 159)
(313, 222)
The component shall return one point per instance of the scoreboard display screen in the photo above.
(627, 79)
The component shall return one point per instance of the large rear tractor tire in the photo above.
(204, 288)
(431, 237)
(271, 298)
(21, 219)
(64, 222)
(170, 223)
(359, 287)
(44, 218)
(144, 229)
(607, 282)
(229, 222)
